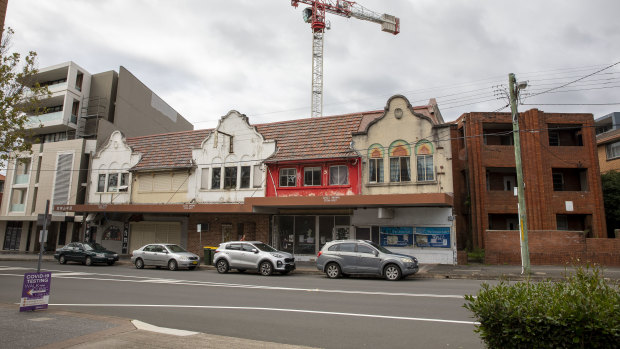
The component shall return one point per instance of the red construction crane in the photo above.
(315, 15)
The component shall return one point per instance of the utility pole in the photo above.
(43, 235)
(514, 93)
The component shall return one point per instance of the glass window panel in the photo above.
(305, 234)
(113, 182)
(257, 180)
(286, 226)
(230, 177)
(312, 176)
(338, 175)
(215, 178)
(288, 177)
(101, 183)
(245, 177)
(326, 229)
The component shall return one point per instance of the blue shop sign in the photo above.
(396, 236)
(432, 237)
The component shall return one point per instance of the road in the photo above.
(299, 309)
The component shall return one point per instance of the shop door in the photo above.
(342, 232)
(12, 236)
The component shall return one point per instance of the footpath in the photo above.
(61, 329)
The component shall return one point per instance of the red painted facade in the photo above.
(353, 187)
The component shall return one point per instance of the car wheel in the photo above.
(392, 272)
(333, 271)
(111, 263)
(265, 268)
(172, 265)
(222, 266)
(139, 263)
(62, 259)
(192, 267)
(89, 261)
(241, 270)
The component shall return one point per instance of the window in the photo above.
(347, 247)
(215, 178)
(399, 169)
(78, 81)
(554, 138)
(312, 176)
(113, 182)
(204, 178)
(75, 108)
(425, 168)
(124, 182)
(562, 222)
(375, 168)
(338, 175)
(613, 150)
(400, 153)
(257, 179)
(101, 183)
(245, 177)
(365, 249)
(230, 177)
(288, 177)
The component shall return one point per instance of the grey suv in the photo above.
(343, 257)
(244, 255)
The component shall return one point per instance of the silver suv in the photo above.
(343, 257)
(244, 255)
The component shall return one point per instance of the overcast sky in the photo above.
(206, 57)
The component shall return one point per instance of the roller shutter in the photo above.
(142, 233)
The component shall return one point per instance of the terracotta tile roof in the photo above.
(314, 138)
(167, 150)
(608, 136)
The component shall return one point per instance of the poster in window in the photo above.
(396, 236)
(432, 237)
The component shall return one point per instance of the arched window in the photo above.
(400, 155)
(424, 157)
(375, 163)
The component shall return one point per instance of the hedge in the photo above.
(581, 311)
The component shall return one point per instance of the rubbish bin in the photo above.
(208, 254)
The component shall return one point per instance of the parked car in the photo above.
(164, 255)
(344, 257)
(86, 253)
(255, 255)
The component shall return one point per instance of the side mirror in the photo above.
(376, 254)
(254, 250)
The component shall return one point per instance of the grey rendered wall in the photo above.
(103, 85)
(139, 111)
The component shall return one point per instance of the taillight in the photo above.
(320, 253)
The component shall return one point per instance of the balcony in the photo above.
(22, 179)
(18, 207)
(54, 117)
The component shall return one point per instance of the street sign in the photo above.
(36, 291)
(42, 235)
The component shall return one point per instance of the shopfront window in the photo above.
(305, 227)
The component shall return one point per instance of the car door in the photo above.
(248, 257)
(159, 255)
(148, 255)
(233, 251)
(78, 253)
(348, 257)
(368, 261)
(69, 250)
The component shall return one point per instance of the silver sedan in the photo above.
(164, 255)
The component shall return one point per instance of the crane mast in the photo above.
(315, 15)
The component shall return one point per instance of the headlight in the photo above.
(406, 260)
(277, 255)
(115, 255)
(100, 255)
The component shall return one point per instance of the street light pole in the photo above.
(525, 253)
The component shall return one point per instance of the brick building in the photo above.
(562, 187)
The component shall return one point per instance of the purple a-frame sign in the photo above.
(36, 291)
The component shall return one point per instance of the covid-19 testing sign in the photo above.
(36, 291)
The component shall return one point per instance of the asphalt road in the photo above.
(299, 309)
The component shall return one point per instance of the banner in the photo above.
(36, 291)
(396, 236)
(432, 237)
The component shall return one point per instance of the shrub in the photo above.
(582, 311)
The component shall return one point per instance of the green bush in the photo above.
(582, 311)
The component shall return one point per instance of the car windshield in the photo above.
(380, 248)
(264, 247)
(93, 246)
(175, 248)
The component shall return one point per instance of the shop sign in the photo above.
(432, 237)
(36, 291)
(396, 236)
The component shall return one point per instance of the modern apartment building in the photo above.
(81, 113)
(565, 215)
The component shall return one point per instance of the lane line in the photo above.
(272, 309)
(143, 279)
(152, 328)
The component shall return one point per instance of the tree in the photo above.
(20, 98)
(611, 199)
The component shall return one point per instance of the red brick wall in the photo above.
(551, 248)
(255, 227)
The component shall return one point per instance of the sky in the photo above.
(207, 57)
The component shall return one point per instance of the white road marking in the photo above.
(152, 328)
(59, 274)
(272, 309)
